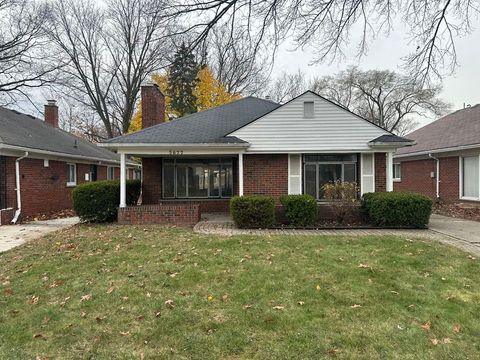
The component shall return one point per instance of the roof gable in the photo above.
(209, 126)
(332, 128)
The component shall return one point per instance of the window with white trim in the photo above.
(110, 173)
(71, 174)
(470, 174)
(321, 169)
(397, 172)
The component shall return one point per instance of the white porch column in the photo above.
(389, 184)
(123, 181)
(240, 174)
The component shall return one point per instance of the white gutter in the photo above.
(441, 150)
(437, 175)
(62, 155)
(17, 184)
(174, 145)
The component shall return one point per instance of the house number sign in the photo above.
(175, 152)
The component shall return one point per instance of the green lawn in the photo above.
(112, 292)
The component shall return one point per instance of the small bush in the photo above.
(397, 209)
(300, 210)
(253, 211)
(342, 198)
(98, 201)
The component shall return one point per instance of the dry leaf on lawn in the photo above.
(247, 306)
(427, 325)
(34, 300)
(434, 341)
(301, 303)
(8, 292)
(363, 266)
(124, 333)
(39, 336)
(110, 290)
(170, 304)
(86, 297)
(279, 307)
(456, 328)
(356, 306)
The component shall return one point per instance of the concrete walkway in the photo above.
(15, 235)
(464, 234)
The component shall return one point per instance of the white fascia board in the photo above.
(179, 149)
(176, 145)
(436, 151)
(11, 150)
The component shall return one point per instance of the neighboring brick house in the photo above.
(250, 146)
(445, 162)
(47, 163)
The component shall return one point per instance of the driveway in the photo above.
(15, 235)
(465, 234)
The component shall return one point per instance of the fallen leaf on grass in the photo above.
(86, 297)
(301, 303)
(471, 257)
(456, 328)
(124, 333)
(434, 341)
(356, 306)
(247, 306)
(427, 325)
(39, 336)
(110, 290)
(100, 318)
(8, 292)
(363, 266)
(45, 320)
(317, 287)
(34, 300)
(210, 297)
(279, 307)
(170, 304)
(394, 292)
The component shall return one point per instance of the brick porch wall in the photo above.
(416, 177)
(380, 172)
(265, 174)
(167, 213)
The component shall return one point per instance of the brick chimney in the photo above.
(51, 113)
(153, 105)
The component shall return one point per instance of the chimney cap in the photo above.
(52, 102)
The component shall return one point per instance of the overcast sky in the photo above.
(386, 53)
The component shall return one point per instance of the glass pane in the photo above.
(181, 181)
(311, 180)
(197, 181)
(470, 177)
(350, 173)
(328, 173)
(227, 181)
(214, 186)
(168, 180)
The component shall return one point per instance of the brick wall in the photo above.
(174, 213)
(265, 174)
(152, 180)
(415, 176)
(43, 189)
(380, 172)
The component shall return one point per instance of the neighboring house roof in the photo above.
(456, 130)
(390, 138)
(205, 127)
(26, 131)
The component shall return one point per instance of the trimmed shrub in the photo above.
(98, 201)
(342, 197)
(300, 210)
(253, 211)
(397, 209)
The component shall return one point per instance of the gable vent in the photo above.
(308, 109)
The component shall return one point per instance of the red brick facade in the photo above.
(416, 176)
(167, 213)
(43, 189)
(153, 106)
(265, 175)
(380, 172)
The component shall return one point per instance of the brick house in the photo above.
(445, 162)
(40, 164)
(250, 146)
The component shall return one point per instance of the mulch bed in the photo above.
(458, 210)
(50, 216)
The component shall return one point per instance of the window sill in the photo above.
(71, 184)
(469, 198)
(397, 180)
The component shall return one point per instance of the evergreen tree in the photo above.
(182, 82)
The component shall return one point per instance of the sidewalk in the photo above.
(15, 235)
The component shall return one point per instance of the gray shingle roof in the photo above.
(209, 126)
(18, 129)
(456, 129)
(390, 138)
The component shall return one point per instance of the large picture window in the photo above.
(321, 169)
(197, 178)
(471, 177)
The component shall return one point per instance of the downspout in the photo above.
(17, 184)
(437, 175)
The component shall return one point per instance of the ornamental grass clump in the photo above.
(342, 197)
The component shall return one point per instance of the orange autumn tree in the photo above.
(209, 93)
